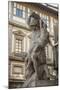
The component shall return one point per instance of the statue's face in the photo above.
(33, 23)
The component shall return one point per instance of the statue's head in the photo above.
(34, 20)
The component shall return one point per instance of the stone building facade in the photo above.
(19, 40)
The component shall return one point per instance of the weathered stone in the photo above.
(33, 82)
(36, 67)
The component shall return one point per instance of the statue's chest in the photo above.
(35, 36)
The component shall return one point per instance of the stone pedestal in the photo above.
(32, 82)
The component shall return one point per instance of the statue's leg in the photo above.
(35, 63)
(39, 63)
(29, 70)
(46, 71)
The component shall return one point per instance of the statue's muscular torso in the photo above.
(39, 40)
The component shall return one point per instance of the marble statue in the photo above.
(35, 62)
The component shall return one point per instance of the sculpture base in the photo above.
(32, 82)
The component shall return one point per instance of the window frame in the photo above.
(25, 11)
(19, 46)
(21, 9)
